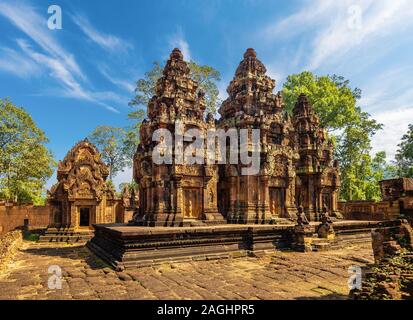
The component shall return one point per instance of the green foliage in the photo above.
(28, 236)
(111, 143)
(131, 185)
(370, 172)
(404, 155)
(25, 162)
(207, 77)
(145, 88)
(332, 98)
(349, 128)
(131, 140)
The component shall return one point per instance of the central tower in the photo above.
(251, 104)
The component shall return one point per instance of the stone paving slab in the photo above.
(279, 275)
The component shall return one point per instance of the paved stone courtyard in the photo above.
(280, 275)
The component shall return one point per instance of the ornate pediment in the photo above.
(82, 174)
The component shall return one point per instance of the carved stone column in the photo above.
(291, 207)
(73, 216)
(232, 199)
(179, 197)
(265, 201)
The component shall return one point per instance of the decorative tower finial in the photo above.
(250, 53)
(176, 54)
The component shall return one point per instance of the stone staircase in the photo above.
(67, 235)
(343, 238)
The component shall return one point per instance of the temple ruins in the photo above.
(296, 158)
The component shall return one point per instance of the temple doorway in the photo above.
(277, 201)
(57, 218)
(223, 201)
(192, 203)
(84, 217)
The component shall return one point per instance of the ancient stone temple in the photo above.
(295, 158)
(175, 193)
(317, 180)
(251, 104)
(81, 197)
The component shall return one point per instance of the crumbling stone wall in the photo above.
(392, 275)
(9, 244)
(13, 216)
(369, 210)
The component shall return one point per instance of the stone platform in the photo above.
(125, 246)
(67, 235)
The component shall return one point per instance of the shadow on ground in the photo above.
(330, 296)
(75, 252)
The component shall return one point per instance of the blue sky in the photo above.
(81, 76)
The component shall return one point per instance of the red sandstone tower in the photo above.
(318, 177)
(251, 104)
(175, 194)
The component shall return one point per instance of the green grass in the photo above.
(28, 236)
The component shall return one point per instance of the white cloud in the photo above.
(25, 18)
(59, 70)
(331, 38)
(14, 62)
(395, 126)
(331, 43)
(310, 16)
(389, 99)
(274, 73)
(106, 41)
(379, 20)
(124, 84)
(61, 65)
(178, 41)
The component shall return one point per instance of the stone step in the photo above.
(69, 235)
(320, 244)
(197, 223)
(68, 239)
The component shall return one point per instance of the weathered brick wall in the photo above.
(369, 210)
(12, 216)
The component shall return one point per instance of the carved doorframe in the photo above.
(277, 201)
(192, 203)
(92, 206)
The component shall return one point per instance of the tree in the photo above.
(25, 162)
(131, 140)
(404, 155)
(111, 143)
(205, 75)
(370, 173)
(332, 98)
(130, 185)
(145, 87)
(348, 127)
